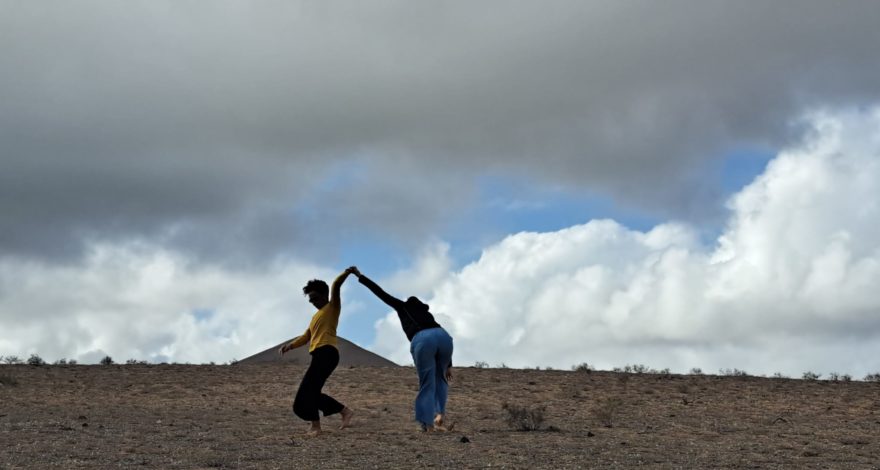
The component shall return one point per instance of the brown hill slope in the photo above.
(350, 355)
(197, 417)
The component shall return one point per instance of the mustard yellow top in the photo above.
(322, 328)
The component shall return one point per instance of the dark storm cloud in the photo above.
(205, 125)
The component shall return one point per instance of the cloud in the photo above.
(789, 286)
(143, 302)
(431, 265)
(205, 127)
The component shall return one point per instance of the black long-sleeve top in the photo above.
(414, 316)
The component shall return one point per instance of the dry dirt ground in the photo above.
(181, 416)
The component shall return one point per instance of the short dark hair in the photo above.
(413, 303)
(316, 285)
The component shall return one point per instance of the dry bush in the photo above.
(35, 360)
(733, 372)
(605, 411)
(522, 418)
(809, 375)
(8, 380)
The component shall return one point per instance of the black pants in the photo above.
(309, 399)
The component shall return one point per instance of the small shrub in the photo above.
(134, 362)
(808, 375)
(638, 369)
(8, 380)
(696, 371)
(875, 377)
(481, 364)
(779, 375)
(13, 360)
(582, 367)
(60, 362)
(107, 361)
(71, 362)
(605, 411)
(522, 418)
(35, 360)
(733, 372)
(835, 377)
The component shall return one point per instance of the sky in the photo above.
(690, 184)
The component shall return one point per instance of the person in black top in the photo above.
(431, 349)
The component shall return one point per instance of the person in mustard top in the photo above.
(321, 338)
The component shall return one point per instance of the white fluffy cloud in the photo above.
(146, 303)
(790, 285)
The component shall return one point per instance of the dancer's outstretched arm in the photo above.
(335, 296)
(389, 299)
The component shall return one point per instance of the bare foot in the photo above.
(347, 414)
(314, 429)
(440, 424)
(444, 428)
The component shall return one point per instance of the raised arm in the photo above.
(335, 289)
(389, 299)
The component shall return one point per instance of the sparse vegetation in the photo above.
(808, 375)
(733, 372)
(779, 375)
(107, 361)
(522, 418)
(636, 369)
(582, 367)
(875, 377)
(12, 360)
(60, 362)
(696, 371)
(8, 380)
(135, 362)
(481, 364)
(835, 377)
(35, 360)
(606, 410)
(171, 410)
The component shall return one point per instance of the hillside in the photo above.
(177, 416)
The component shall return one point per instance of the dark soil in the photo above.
(180, 416)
